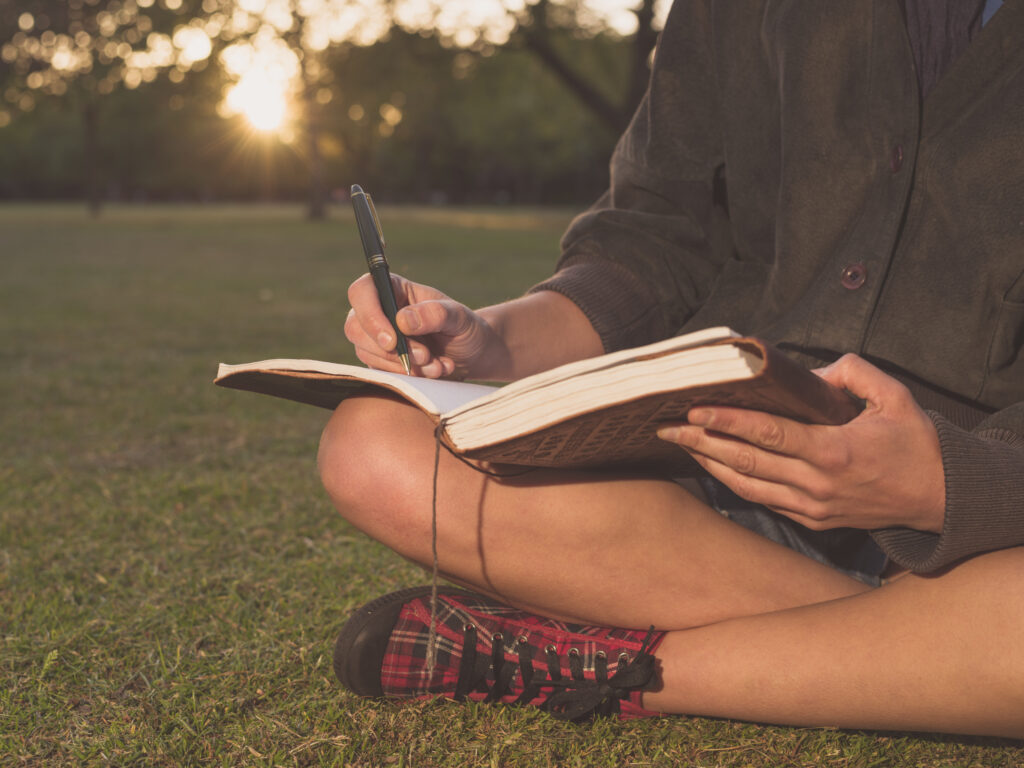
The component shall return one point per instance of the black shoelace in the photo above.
(574, 698)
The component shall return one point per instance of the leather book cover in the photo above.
(623, 435)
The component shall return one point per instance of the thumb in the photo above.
(860, 378)
(439, 316)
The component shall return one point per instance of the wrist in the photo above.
(540, 331)
(495, 361)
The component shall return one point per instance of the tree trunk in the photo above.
(317, 190)
(90, 137)
(267, 185)
(294, 37)
(607, 112)
(643, 44)
(615, 116)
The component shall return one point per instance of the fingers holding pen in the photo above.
(443, 318)
(377, 298)
(379, 351)
(366, 324)
(424, 313)
(436, 330)
(368, 328)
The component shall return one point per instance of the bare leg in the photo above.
(934, 654)
(608, 549)
(761, 632)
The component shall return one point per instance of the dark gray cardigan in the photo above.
(782, 177)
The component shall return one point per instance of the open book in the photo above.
(594, 412)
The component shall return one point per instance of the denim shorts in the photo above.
(848, 550)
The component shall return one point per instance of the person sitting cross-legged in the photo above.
(845, 181)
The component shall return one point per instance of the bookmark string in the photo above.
(477, 467)
(435, 569)
(432, 633)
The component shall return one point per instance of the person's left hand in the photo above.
(882, 469)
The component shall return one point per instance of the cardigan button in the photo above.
(853, 276)
(896, 159)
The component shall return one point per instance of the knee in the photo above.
(369, 461)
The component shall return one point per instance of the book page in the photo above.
(448, 395)
(326, 384)
(602, 362)
(612, 432)
(493, 420)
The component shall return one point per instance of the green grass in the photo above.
(171, 574)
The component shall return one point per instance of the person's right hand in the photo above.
(446, 339)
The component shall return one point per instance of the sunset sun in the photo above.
(265, 69)
(261, 99)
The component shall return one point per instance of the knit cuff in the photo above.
(984, 475)
(616, 303)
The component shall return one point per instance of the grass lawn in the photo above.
(171, 574)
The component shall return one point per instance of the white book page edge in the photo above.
(434, 396)
(593, 364)
(507, 419)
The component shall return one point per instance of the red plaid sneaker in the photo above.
(487, 651)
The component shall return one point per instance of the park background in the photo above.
(173, 179)
(476, 101)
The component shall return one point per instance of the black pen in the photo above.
(373, 246)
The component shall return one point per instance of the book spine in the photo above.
(799, 391)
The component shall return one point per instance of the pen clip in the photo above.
(376, 221)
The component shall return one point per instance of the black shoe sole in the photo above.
(361, 644)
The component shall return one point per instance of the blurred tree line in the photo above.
(414, 116)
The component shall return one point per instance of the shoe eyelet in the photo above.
(550, 649)
(521, 640)
(600, 655)
(574, 651)
(623, 656)
(497, 637)
(467, 627)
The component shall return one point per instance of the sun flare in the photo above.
(266, 70)
(261, 99)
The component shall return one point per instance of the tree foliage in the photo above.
(84, 50)
(412, 107)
